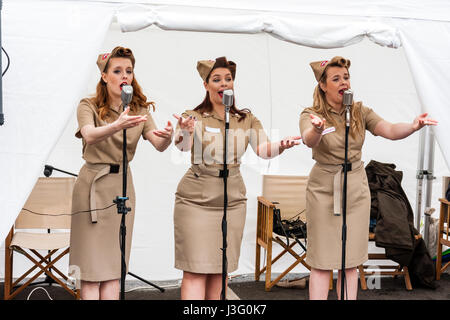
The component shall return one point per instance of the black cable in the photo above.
(7, 57)
(65, 214)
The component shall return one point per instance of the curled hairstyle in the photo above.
(206, 105)
(320, 102)
(102, 99)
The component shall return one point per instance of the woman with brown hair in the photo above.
(199, 199)
(323, 194)
(94, 240)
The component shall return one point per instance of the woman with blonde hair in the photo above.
(94, 238)
(322, 128)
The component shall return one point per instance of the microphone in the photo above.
(127, 94)
(227, 101)
(48, 170)
(348, 101)
(348, 97)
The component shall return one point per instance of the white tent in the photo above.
(400, 62)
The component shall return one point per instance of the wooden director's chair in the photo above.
(288, 194)
(442, 239)
(51, 199)
(389, 270)
(395, 269)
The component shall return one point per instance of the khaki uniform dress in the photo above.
(94, 239)
(199, 197)
(324, 194)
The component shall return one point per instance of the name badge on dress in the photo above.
(212, 130)
(328, 130)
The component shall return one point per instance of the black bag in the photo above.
(295, 229)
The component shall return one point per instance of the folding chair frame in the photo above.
(397, 269)
(265, 238)
(442, 239)
(44, 264)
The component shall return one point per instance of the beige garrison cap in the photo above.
(204, 67)
(319, 66)
(102, 60)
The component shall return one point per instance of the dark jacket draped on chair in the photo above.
(395, 229)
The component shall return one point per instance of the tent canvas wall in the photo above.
(53, 67)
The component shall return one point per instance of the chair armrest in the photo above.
(265, 202)
(264, 221)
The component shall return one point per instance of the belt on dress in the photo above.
(214, 171)
(337, 181)
(103, 169)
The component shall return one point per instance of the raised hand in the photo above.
(422, 120)
(289, 142)
(125, 121)
(166, 133)
(186, 124)
(318, 123)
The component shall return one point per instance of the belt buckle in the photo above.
(347, 165)
(114, 168)
(224, 173)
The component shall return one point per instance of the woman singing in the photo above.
(199, 202)
(322, 127)
(94, 242)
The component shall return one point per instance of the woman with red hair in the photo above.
(94, 243)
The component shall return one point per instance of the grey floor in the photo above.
(245, 288)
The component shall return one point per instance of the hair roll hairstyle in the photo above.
(102, 99)
(320, 102)
(206, 105)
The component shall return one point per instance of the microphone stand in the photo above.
(225, 205)
(48, 170)
(123, 210)
(344, 201)
(120, 203)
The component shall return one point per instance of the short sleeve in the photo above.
(257, 133)
(85, 115)
(371, 119)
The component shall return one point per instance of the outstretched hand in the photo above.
(289, 142)
(186, 124)
(125, 121)
(422, 120)
(166, 133)
(318, 123)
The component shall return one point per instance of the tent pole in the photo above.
(426, 146)
(430, 178)
(419, 177)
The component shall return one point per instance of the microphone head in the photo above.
(127, 94)
(48, 170)
(227, 98)
(348, 97)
